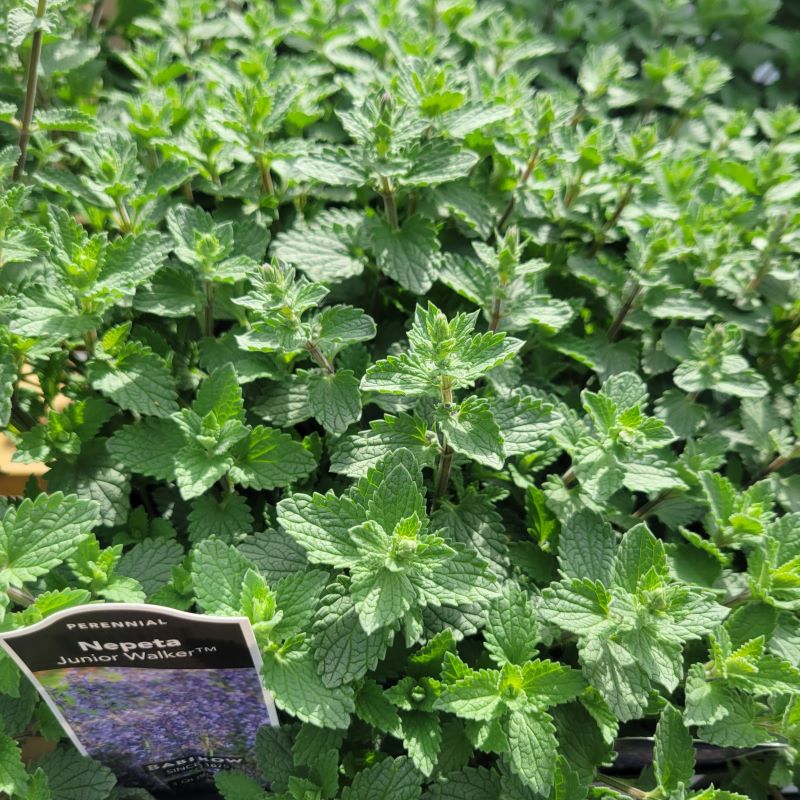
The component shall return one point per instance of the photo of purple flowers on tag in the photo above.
(162, 727)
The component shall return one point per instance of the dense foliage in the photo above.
(455, 344)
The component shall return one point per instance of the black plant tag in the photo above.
(164, 698)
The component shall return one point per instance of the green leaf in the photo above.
(12, 771)
(227, 519)
(439, 161)
(293, 680)
(150, 562)
(235, 785)
(8, 377)
(547, 683)
(580, 606)
(296, 596)
(270, 458)
(390, 779)
(343, 649)
(422, 736)
(673, 755)
(441, 348)
(355, 454)
(511, 632)
(321, 525)
(325, 247)
(71, 776)
(381, 597)
(148, 447)
(408, 255)
(470, 429)
(221, 394)
(218, 570)
(475, 696)
(639, 552)
(471, 783)
(40, 534)
(586, 547)
(139, 382)
(532, 748)
(335, 400)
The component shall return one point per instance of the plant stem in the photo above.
(497, 304)
(124, 216)
(569, 477)
(612, 220)
(738, 599)
(622, 786)
(777, 463)
(647, 508)
(266, 177)
(389, 203)
(766, 257)
(97, 14)
(613, 331)
(208, 311)
(319, 357)
(573, 191)
(22, 597)
(30, 93)
(529, 167)
(446, 454)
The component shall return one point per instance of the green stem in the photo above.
(738, 599)
(612, 220)
(266, 177)
(529, 167)
(497, 306)
(446, 454)
(208, 310)
(766, 257)
(651, 505)
(573, 191)
(22, 597)
(777, 463)
(613, 331)
(622, 786)
(319, 357)
(389, 203)
(569, 477)
(97, 14)
(30, 93)
(124, 216)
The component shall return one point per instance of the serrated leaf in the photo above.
(470, 429)
(140, 382)
(335, 400)
(71, 776)
(38, 535)
(342, 648)
(673, 754)
(532, 749)
(12, 771)
(407, 255)
(150, 562)
(297, 688)
(270, 458)
(148, 447)
(586, 547)
(391, 779)
(218, 570)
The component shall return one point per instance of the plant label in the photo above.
(162, 697)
